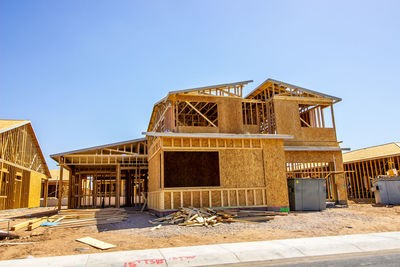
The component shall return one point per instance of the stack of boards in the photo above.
(76, 218)
(210, 217)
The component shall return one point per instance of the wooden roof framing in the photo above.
(269, 89)
(125, 153)
(9, 125)
(282, 89)
(224, 90)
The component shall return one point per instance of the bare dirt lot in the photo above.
(135, 232)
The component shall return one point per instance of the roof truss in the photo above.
(20, 147)
(127, 153)
(271, 88)
(228, 89)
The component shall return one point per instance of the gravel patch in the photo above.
(325, 221)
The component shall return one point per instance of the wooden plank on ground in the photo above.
(21, 225)
(95, 243)
(36, 224)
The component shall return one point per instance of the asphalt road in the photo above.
(379, 258)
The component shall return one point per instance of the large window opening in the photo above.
(197, 114)
(191, 169)
(316, 116)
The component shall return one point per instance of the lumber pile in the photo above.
(88, 217)
(30, 224)
(75, 218)
(209, 217)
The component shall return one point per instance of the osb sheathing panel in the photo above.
(197, 129)
(26, 189)
(313, 156)
(323, 156)
(275, 173)
(288, 122)
(241, 168)
(251, 129)
(34, 189)
(154, 173)
(230, 114)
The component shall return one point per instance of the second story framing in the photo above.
(273, 107)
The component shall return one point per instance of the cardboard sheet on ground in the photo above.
(95, 243)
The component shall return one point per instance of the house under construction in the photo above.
(212, 147)
(22, 165)
(50, 188)
(364, 165)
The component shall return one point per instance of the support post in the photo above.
(69, 190)
(46, 192)
(118, 187)
(60, 183)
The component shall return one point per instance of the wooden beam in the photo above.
(118, 187)
(120, 151)
(201, 114)
(46, 192)
(60, 187)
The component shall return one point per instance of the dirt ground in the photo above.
(135, 232)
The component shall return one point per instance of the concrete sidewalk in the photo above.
(225, 253)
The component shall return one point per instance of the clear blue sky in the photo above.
(88, 72)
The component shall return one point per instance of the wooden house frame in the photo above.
(364, 165)
(98, 175)
(22, 165)
(212, 147)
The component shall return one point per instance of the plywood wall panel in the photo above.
(241, 168)
(154, 173)
(288, 122)
(34, 189)
(275, 173)
(230, 117)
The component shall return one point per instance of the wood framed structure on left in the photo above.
(22, 166)
(111, 175)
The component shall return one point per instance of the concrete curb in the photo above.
(225, 253)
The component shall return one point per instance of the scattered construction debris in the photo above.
(210, 217)
(95, 243)
(88, 217)
(75, 218)
(12, 244)
(155, 227)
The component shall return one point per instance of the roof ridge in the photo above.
(210, 87)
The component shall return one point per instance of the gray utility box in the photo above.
(307, 194)
(387, 190)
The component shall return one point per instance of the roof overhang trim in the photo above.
(314, 148)
(220, 135)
